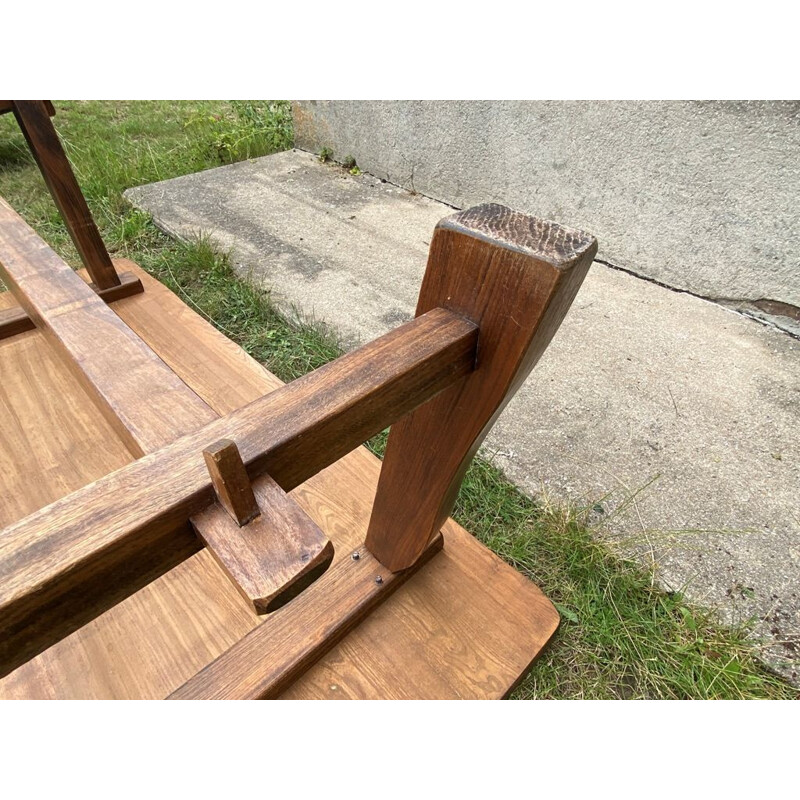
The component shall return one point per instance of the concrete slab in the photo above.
(700, 196)
(676, 416)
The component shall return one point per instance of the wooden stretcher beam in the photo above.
(16, 320)
(290, 434)
(273, 655)
(147, 404)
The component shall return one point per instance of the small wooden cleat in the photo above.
(273, 557)
(231, 482)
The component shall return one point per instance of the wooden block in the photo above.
(128, 285)
(272, 656)
(514, 276)
(272, 557)
(231, 482)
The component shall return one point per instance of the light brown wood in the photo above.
(48, 559)
(148, 405)
(210, 364)
(441, 635)
(15, 320)
(514, 276)
(51, 439)
(33, 117)
(275, 555)
(231, 481)
(272, 656)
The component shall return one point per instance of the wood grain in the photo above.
(34, 119)
(545, 623)
(16, 320)
(51, 438)
(148, 405)
(515, 277)
(275, 555)
(272, 656)
(231, 482)
(47, 559)
(442, 635)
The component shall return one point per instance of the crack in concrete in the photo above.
(737, 305)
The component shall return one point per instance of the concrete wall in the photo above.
(702, 196)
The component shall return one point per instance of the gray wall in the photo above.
(701, 196)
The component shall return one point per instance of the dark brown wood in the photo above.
(128, 285)
(231, 481)
(515, 277)
(292, 433)
(16, 320)
(8, 105)
(272, 656)
(34, 120)
(273, 557)
(267, 545)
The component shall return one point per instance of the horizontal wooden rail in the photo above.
(16, 320)
(273, 655)
(48, 558)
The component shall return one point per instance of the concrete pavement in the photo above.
(678, 416)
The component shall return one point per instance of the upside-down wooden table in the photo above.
(178, 523)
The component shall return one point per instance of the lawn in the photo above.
(620, 637)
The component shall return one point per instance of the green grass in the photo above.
(619, 638)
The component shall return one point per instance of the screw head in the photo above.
(356, 556)
(378, 579)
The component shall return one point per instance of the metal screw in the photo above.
(378, 579)
(356, 556)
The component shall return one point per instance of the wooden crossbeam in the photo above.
(140, 396)
(291, 434)
(16, 320)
